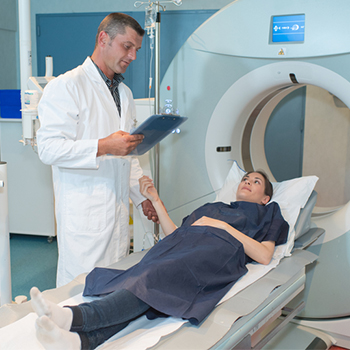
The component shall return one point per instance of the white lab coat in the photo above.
(91, 194)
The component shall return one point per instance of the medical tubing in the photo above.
(146, 235)
(150, 67)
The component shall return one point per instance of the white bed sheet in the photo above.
(139, 335)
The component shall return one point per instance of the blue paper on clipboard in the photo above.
(155, 129)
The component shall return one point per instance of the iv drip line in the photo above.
(150, 71)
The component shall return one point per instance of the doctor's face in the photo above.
(121, 51)
(252, 189)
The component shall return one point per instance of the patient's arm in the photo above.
(260, 252)
(149, 191)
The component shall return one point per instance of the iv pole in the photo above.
(157, 107)
(157, 85)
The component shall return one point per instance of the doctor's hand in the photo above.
(149, 211)
(119, 143)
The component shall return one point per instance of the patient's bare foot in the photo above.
(52, 337)
(62, 317)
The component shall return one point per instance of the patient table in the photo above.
(237, 323)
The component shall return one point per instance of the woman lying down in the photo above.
(185, 275)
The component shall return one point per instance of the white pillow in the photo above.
(291, 196)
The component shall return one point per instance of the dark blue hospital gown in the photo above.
(187, 273)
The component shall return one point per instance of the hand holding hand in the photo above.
(153, 207)
(149, 211)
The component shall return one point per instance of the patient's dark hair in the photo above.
(268, 185)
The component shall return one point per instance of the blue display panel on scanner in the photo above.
(289, 28)
(155, 129)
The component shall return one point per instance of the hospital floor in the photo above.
(33, 263)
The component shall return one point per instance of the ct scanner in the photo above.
(227, 79)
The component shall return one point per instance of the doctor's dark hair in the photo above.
(115, 23)
(268, 185)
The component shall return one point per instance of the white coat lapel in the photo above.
(106, 96)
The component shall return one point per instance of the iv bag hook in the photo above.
(138, 4)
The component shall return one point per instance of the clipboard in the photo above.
(155, 129)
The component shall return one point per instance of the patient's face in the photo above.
(252, 189)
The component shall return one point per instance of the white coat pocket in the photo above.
(85, 208)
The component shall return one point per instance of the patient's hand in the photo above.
(147, 189)
(205, 221)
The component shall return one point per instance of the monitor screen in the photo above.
(290, 28)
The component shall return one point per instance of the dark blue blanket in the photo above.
(189, 271)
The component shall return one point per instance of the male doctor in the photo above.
(85, 118)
